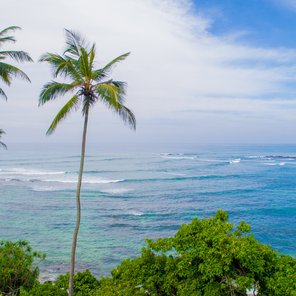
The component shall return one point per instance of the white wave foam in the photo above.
(84, 181)
(135, 213)
(33, 175)
(22, 171)
(116, 190)
(275, 163)
(237, 160)
(45, 188)
(178, 157)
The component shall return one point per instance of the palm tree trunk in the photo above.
(78, 206)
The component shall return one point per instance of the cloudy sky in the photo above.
(203, 71)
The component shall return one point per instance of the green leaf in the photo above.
(100, 74)
(72, 104)
(7, 71)
(19, 56)
(54, 89)
(2, 94)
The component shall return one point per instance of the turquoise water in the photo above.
(127, 197)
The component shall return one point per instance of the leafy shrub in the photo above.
(45, 289)
(84, 283)
(16, 266)
(283, 279)
(207, 257)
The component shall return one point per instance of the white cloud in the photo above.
(176, 65)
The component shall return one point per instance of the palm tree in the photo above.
(87, 86)
(7, 71)
(1, 143)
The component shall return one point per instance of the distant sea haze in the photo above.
(127, 197)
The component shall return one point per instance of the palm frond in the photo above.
(127, 116)
(92, 54)
(116, 61)
(121, 88)
(73, 103)
(61, 66)
(122, 111)
(8, 29)
(7, 39)
(84, 64)
(99, 75)
(19, 56)
(102, 73)
(54, 89)
(118, 86)
(74, 42)
(2, 94)
(113, 97)
(7, 71)
(4, 38)
(108, 93)
(1, 143)
(5, 74)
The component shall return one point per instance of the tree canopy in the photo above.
(205, 258)
(16, 266)
(87, 84)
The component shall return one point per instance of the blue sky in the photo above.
(265, 22)
(200, 71)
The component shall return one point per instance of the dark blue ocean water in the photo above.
(129, 196)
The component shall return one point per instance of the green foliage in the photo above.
(45, 289)
(86, 84)
(84, 283)
(206, 257)
(16, 266)
(283, 279)
(7, 71)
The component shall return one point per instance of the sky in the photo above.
(203, 71)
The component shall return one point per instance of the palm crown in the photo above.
(87, 84)
(7, 71)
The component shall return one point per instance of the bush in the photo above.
(45, 289)
(84, 283)
(283, 279)
(16, 266)
(205, 258)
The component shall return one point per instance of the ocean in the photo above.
(132, 195)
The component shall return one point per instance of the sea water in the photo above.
(129, 196)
